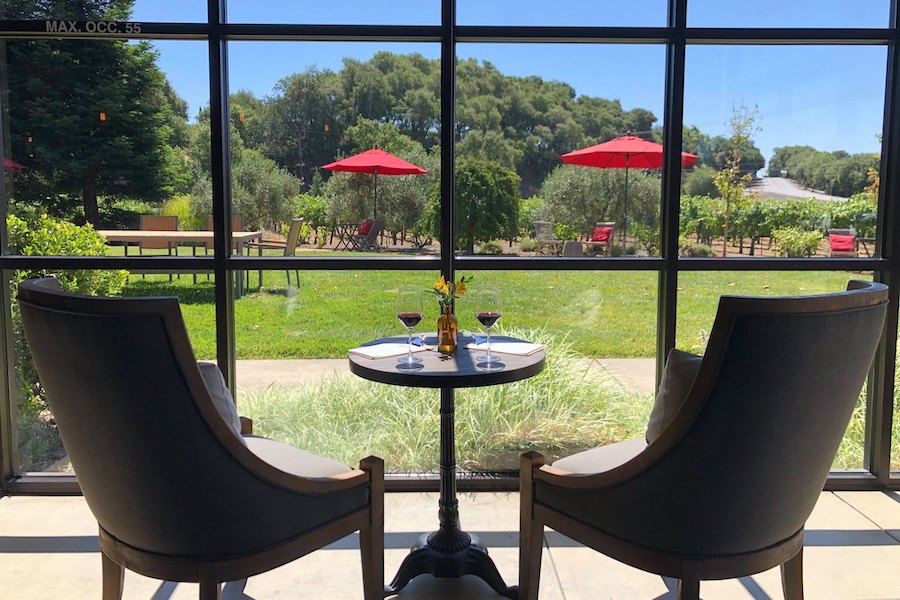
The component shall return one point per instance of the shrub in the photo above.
(561, 231)
(528, 245)
(796, 243)
(701, 216)
(699, 182)
(696, 250)
(490, 248)
(857, 212)
(647, 237)
(45, 236)
(312, 209)
(180, 206)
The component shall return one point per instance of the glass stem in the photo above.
(409, 357)
(489, 357)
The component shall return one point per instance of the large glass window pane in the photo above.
(325, 103)
(355, 12)
(597, 387)
(37, 446)
(799, 13)
(521, 107)
(574, 12)
(787, 140)
(698, 294)
(104, 133)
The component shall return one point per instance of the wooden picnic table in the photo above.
(135, 236)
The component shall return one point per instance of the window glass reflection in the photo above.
(788, 150)
(522, 109)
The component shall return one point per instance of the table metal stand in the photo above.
(449, 551)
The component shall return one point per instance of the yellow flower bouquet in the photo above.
(447, 292)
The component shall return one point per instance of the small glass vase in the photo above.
(447, 330)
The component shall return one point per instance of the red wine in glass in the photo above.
(487, 318)
(409, 310)
(411, 319)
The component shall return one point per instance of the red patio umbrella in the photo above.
(376, 162)
(623, 152)
(11, 164)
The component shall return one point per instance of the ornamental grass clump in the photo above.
(569, 407)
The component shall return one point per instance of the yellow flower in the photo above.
(461, 288)
(441, 286)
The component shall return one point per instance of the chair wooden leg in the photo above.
(531, 532)
(113, 578)
(689, 584)
(371, 537)
(792, 577)
(210, 589)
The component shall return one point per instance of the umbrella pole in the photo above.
(375, 202)
(625, 210)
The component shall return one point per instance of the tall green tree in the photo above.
(486, 204)
(91, 117)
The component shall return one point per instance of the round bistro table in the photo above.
(449, 551)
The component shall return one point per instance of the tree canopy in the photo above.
(92, 117)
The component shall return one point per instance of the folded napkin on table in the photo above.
(386, 349)
(519, 348)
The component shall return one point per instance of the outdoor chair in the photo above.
(158, 223)
(177, 492)
(724, 488)
(367, 236)
(600, 239)
(843, 243)
(543, 234)
(237, 224)
(288, 247)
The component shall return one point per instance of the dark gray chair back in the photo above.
(158, 466)
(742, 465)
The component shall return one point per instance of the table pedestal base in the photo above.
(450, 554)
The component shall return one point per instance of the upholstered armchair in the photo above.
(731, 474)
(177, 492)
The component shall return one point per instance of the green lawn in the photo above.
(567, 408)
(604, 314)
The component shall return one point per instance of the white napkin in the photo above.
(517, 348)
(385, 350)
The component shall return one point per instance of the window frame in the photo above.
(676, 36)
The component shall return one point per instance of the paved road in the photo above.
(782, 187)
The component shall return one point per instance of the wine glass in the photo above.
(409, 311)
(487, 311)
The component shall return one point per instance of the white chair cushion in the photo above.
(678, 377)
(221, 397)
(604, 458)
(293, 460)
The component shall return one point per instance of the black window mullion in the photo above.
(880, 406)
(448, 128)
(221, 189)
(673, 116)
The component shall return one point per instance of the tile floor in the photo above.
(49, 549)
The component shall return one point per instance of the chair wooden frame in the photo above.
(369, 241)
(210, 572)
(600, 248)
(288, 247)
(690, 570)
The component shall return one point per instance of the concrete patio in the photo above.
(49, 549)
